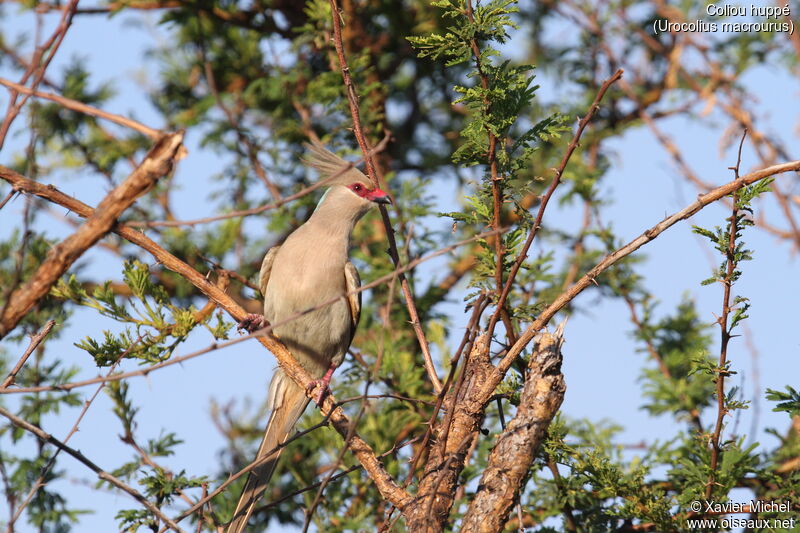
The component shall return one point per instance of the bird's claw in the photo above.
(323, 391)
(252, 322)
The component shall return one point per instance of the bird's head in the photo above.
(338, 173)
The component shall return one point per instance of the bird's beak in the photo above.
(379, 197)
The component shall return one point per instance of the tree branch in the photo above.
(35, 341)
(363, 452)
(546, 198)
(567, 296)
(80, 107)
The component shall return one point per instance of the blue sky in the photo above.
(601, 364)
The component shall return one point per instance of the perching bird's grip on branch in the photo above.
(309, 269)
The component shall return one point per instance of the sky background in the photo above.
(602, 364)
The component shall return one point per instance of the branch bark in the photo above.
(158, 162)
(512, 456)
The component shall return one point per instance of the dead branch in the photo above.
(35, 341)
(80, 107)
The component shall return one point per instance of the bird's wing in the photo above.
(352, 281)
(266, 269)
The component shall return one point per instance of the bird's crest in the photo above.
(331, 165)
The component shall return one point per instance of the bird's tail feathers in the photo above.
(288, 401)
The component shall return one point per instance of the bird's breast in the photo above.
(301, 285)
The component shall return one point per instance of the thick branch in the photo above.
(512, 456)
(158, 162)
(445, 463)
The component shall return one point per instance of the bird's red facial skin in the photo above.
(360, 189)
(373, 195)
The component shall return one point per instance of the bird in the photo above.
(310, 268)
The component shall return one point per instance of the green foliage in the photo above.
(789, 400)
(673, 384)
(493, 134)
(160, 485)
(157, 325)
(20, 255)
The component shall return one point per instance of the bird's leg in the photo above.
(253, 322)
(323, 383)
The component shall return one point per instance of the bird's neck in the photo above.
(337, 214)
(331, 228)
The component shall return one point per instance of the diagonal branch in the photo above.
(567, 296)
(102, 474)
(261, 208)
(546, 198)
(158, 162)
(363, 452)
(35, 341)
(80, 107)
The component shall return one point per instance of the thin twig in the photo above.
(358, 131)
(567, 296)
(35, 341)
(260, 209)
(8, 197)
(38, 67)
(725, 333)
(40, 481)
(546, 198)
(491, 157)
(219, 296)
(252, 153)
(102, 474)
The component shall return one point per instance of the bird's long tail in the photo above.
(288, 402)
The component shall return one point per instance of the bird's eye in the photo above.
(357, 187)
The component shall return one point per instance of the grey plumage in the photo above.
(311, 267)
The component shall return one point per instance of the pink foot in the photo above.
(323, 384)
(253, 322)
